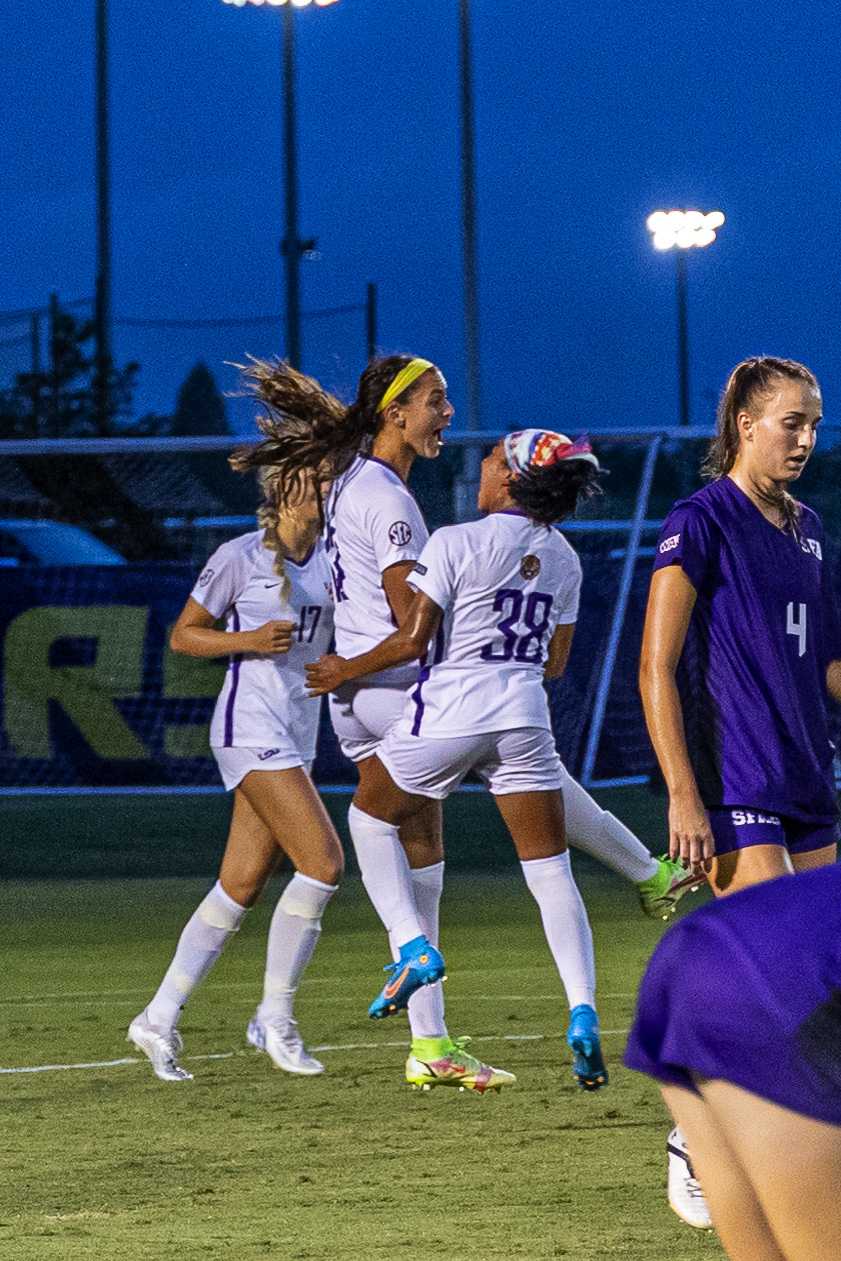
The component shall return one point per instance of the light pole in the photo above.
(102, 299)
(681, 231)
(467, 484)
(292, 247)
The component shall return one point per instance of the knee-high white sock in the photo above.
(565, 924)
(199, 946)
(426, 1006)
(385, 874)
(293, 936)
(600, 834)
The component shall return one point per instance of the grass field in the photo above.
(244, 1162)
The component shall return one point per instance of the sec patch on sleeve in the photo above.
(400, 533)
(669, 544)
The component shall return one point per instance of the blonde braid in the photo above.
(268, 519)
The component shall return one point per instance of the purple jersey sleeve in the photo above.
(686, 540)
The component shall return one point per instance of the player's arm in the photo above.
(559, 649)
(670, 604)
(833, 680)
(195, 634)
(408, 642)
(397, 590)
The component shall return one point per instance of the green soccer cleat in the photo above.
(444, 1062)
(660, 894)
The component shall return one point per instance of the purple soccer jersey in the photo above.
(770, 958)
(763, 630)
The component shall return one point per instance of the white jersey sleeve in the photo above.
(435, 570)
(223, 579)
(395, 527)
(569, 592)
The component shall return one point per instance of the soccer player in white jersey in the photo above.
(374, 534)
(272, 589)
(497, 602)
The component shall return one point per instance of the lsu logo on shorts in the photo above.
(669, 544)
(267, 753)
(400, 533)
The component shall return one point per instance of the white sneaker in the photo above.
(686, 1198)
(160, 1046)
(282, 1043)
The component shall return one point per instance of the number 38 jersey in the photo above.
(753, 673)
(503, 585)
(264, 701)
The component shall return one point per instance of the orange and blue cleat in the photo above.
(419, 964)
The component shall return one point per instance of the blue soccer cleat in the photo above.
(419, 964)
(583, 1040)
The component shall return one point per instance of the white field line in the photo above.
(104, 998)
(325, 1047)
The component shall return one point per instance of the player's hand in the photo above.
(326, 674)
(272, 637)
(690, 836)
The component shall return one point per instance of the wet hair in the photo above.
(307, 428)
(553, 493)
(751, 380)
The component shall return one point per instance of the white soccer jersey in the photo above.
(372, 522)
(504, 584)
(264, 699)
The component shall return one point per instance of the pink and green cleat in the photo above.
(445, 1062)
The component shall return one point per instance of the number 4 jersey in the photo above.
(753, 673)
(503, 585)
(264, 696)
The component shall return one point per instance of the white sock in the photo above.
(426, 1006)
(293, 936)
(199, 946)
(385, 874)
(600, 834)
(565, 924)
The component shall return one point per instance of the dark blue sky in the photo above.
(589, 115)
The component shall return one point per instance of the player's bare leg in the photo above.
(535, 821)
(290, 809)
(736, 1210)
(742, 868)
(812, 858)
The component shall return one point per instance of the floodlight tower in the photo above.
(292, 247)
(682, 230)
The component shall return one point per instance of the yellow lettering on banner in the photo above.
(85, 693)
(193, 678)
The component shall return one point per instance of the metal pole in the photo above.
(35, 344)
(618, 622)
(472, 455)
(682, 335)
(291, 243)
(371, 319)
(102, 301)
(54, 394)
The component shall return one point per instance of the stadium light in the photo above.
(681, 231)
(292, 247)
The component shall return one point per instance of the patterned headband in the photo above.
(540, 448)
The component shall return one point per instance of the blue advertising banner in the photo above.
(92, 695)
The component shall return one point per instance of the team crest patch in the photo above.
(205, 577)
(529, 566)
(400, 533)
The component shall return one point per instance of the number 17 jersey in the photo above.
(503, 584)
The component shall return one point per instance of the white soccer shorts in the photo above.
(520, 760)
(235, 763)
(361, 715)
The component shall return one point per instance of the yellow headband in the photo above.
(414, 369)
